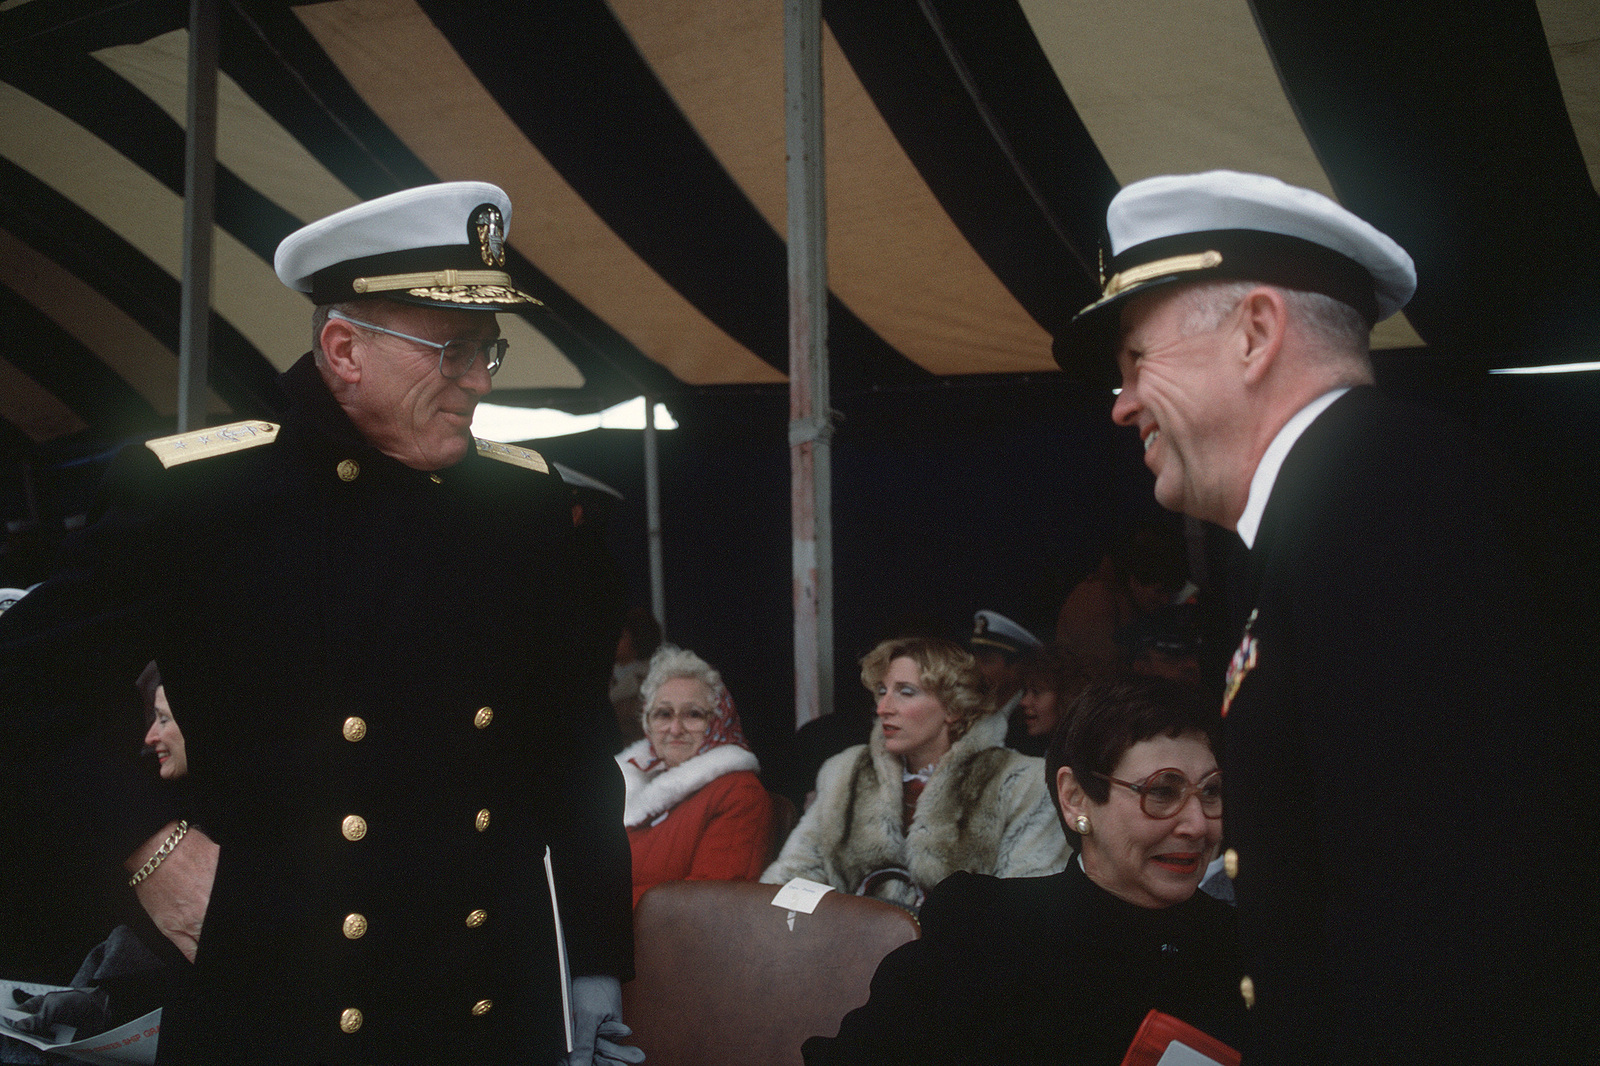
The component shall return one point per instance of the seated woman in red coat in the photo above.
(696, 810)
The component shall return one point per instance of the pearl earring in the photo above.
(1081, 824)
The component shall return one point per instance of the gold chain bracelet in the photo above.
(161, 853)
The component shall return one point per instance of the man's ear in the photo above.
(339, 351)
(1263, 323)
(1070, 794)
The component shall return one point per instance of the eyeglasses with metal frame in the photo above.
(1164, 793)
(691, 717)
(455, 357)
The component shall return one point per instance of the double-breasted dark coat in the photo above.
(1410, 863)
(392, 688)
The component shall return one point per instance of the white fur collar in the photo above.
(650, 794)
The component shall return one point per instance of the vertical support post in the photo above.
(810, 430)
(652, 498)
(199, 212)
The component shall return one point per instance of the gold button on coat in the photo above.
(436, 479)
(354, 728)
(350, 1020)
(1230, 863)
(482, 1007)
(348, 469)
(481, 822)
(484, 716)
(354, 827)
(1247, 989)
(355, 926)
(477, 918)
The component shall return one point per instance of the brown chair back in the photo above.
(722, 979)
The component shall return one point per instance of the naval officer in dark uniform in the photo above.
(390, 653)
(1414, 873)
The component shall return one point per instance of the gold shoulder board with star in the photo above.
(217, 440)
(510, 453)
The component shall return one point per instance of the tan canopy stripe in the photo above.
(149, 367)
(1150, 81)
(261, 152)
(149, 216)
(1571, 31)
(32, 409)
(379, 44)
(894, 256)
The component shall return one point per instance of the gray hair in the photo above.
(1341, 329)
(670, 662)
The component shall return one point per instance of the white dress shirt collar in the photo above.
(1272, 461)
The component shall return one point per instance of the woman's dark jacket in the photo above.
(1041, 970)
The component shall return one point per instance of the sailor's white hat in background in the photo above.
(1227, 225)
(991, 629)
(436, 245)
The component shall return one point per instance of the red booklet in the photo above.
(1168, 1041)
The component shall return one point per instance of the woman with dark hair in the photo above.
(162, 737)
(933, 792)
(1051, 677)
(1063, 969)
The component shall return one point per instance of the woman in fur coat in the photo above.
(933, 792)
(695, 809)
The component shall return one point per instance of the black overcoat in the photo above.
(392, 688)
(1040, 970)
(1410, 863)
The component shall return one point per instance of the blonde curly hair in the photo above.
(947, 670)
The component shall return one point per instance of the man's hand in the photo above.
(176, 893)
(597, 1025)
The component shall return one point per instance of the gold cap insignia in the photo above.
(488, 229)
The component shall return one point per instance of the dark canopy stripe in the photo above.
(282, 67)
(1043, 133)
(267, 50)
(973, 100)
(61, 230)
(100, 101)
(290, 77)
(73, 26)
(573, 82)
(1445, 126)
(48, 354)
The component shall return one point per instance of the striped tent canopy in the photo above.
(972, 146)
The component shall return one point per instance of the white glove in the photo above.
(597, 1025)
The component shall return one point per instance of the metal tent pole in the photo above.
(810, 431)
(199, 212)
(652, 497)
